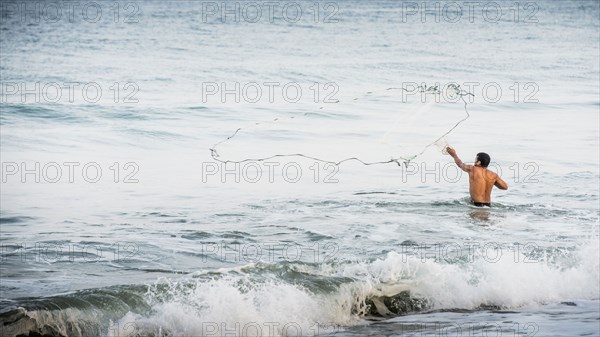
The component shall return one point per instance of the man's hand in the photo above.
(451, 151)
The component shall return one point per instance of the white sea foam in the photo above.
(239, 304)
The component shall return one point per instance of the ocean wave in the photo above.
(302, 295)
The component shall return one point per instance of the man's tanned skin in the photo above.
(481, 180)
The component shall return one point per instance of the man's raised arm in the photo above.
(459, 163)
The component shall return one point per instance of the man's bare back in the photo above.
(481, 180)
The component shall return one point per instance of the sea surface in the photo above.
(169, 168)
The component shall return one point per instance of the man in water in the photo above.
(481, 180)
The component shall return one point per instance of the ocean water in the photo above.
(118, 220)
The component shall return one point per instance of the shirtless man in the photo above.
(481, 180)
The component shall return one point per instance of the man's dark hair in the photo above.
(484, 159)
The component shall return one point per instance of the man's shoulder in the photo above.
(483, 171)
(489, 174)
(470, 168)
